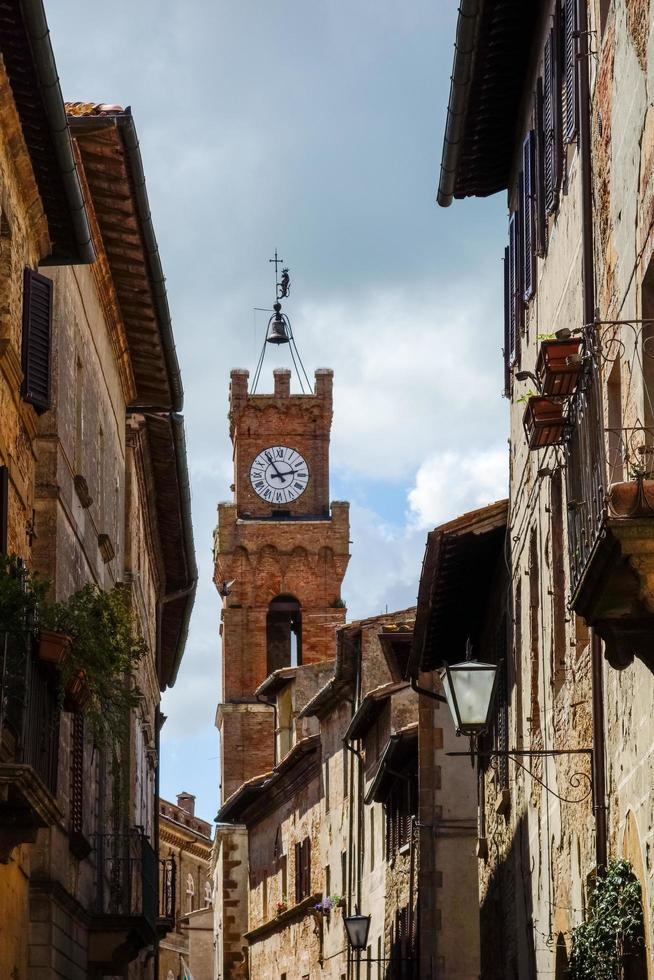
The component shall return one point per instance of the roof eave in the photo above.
(467, 32)
(36, 27)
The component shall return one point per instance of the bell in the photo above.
(277, 330)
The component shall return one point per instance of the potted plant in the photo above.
(544, 422)
(338, 902)
(53, 647)
(282, 906)
(559, 366)
(324, 906)
(98, 674)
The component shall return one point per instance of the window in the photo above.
(37, 339)
(345, 757)
(571, 97)
(400, 806)
(4, 509)
(529, 214)
(302, 869)
(284, 633)
(328, 881)
(190, 892)
(343, 873)
(372, 839)
(552, 114)
(208, 894)
(326, 785)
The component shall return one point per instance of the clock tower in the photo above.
(281, 551)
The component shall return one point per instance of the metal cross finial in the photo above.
(277, 262)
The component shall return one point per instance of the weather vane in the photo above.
(279, 329)
(283, 285)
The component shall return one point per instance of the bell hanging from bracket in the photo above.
(277, 327)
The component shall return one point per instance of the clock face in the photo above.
(279, 474)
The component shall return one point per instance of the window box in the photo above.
(544, 422)
(559, 366)
(53, 647)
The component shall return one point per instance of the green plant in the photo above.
(546, 336)
(613, 927)
(21, 592)
(527, 395)
(107, 648)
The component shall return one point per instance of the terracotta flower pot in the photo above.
(544, 422)
(556, 374)
(632, 499)
(77, 693)
(53, 647)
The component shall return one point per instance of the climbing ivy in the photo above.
(613, 927)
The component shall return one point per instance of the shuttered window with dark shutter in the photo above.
(298, 872)
(306, 867)
(37, 336)
(528, 211)
(539, 204)
(507, 325)
(552, 116)
(515, 286)
(570, 65)
(4, 509)
(302, 869)
(77, 775)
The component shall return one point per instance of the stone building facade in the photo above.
(569, 139)
(185, 847)
(42, 218)
(93, 490)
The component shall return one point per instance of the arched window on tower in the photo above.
(284, 633)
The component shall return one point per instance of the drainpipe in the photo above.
(271, 704)
(585, 156)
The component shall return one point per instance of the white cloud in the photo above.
(451, 483)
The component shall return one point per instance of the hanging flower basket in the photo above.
(77, 693)
(53, 647)
(559, 366)
(544, 422)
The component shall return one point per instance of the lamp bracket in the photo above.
(575, 780)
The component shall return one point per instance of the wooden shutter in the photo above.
(570, 70)
(507, 324)
(552, 116)
(37, 335)
(539, 203)
(306, 867)
(77, 775)
(298, 872)
(4, 509)
(528, 201)
(515, 290)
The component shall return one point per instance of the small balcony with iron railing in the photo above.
(125, 914)
(609, 450)
(29, 743)
(167, 895)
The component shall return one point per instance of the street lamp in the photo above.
(357, 927)
(470, 693)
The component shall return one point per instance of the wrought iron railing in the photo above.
(600, 449)
(585, 472)
(126, 869)
(167, 889)
(29, 710)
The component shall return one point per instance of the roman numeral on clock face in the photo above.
(279, 474)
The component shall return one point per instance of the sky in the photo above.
(314, 128)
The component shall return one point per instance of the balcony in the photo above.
(124, 920)
(29, 743)
(610, 494)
